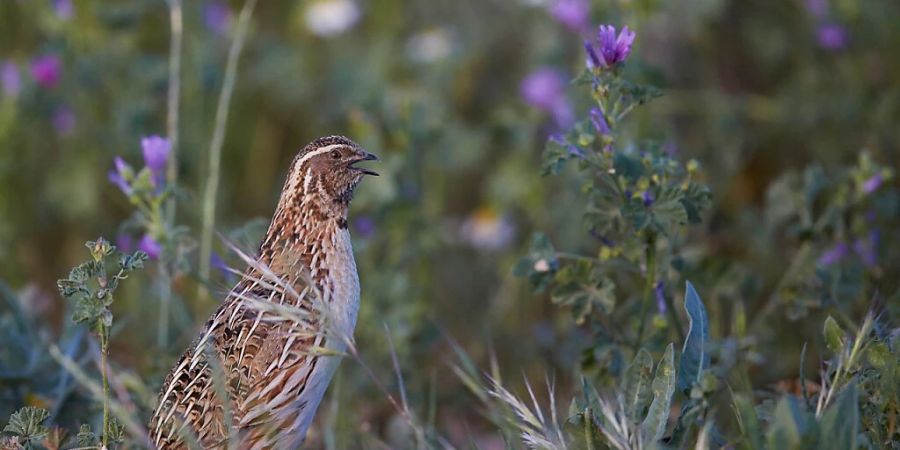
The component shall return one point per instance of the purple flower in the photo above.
(660, 291)
(10, 79)
(834, 254)
(120, 175)
(156, 152)
(573, 14)
(873, 183)
(150, 246)
(217, 16)
(817, 8)
(545, 89)
(63, 8)
(125, 243)
(46, 71)
(599, 121)
(831, 36)
(63, 121)
(365, 226)
(610, 49)
(867, 249)
(647, 197)
(216, 262)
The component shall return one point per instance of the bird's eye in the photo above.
(336, 154)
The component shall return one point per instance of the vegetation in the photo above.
(675, 234)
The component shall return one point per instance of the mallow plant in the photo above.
(682, 388)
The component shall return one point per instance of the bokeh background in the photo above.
(457, 98)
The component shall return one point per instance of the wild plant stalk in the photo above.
(649, 283)
(165, 274)
(175, 44)
(104, 374)
(114, 407)
(215, 147)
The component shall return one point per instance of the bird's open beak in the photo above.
(366, 156)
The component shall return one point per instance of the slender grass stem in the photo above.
(215, 146)
(168, 219)
(649, 284)
(104, 373)
(588, 422)
(173, 108)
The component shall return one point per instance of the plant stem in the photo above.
(104, 373)
(588, 421)
(649, 284)
(175, 23)
(215, 146)
(165, 294)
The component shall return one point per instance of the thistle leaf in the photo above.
(636, 385)
(654, 425)
(695, 353)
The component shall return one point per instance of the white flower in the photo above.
(485, 229)
(541, 265)
(328, 18)
(430, 45)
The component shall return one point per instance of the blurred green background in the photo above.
(755, 91)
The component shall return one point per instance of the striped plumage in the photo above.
(257, 372)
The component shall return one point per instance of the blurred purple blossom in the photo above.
(817, 8)
(63, 121)
(365, 226)
(10, 79)
(64, 9)
(831, 36)
(156, 153)
(647, 197)
(611, 49)
(573, 14)
(150, 246)
(545, 89)
(873, 183)
(216, 262)
(118, 176)
(217, 16)
(867, 249)
(46, 70)
(834, 254)
(660, 291)
(125, 243)
(599, 121)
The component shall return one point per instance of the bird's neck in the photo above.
(303, 224)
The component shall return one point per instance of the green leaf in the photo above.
(835, 337)
(28, 423)
(88, 310)
(695, 353)
(840, 423)
(133, 261)
(636, 385)
(86, 437)
(540, 265)
(583, 289)
(748, 422)
(787, 425)
(654, 425)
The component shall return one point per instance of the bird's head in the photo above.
(327, 167)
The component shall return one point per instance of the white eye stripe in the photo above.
(320, 151)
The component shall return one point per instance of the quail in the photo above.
(255, 375)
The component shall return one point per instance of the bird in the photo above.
(256, 373)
